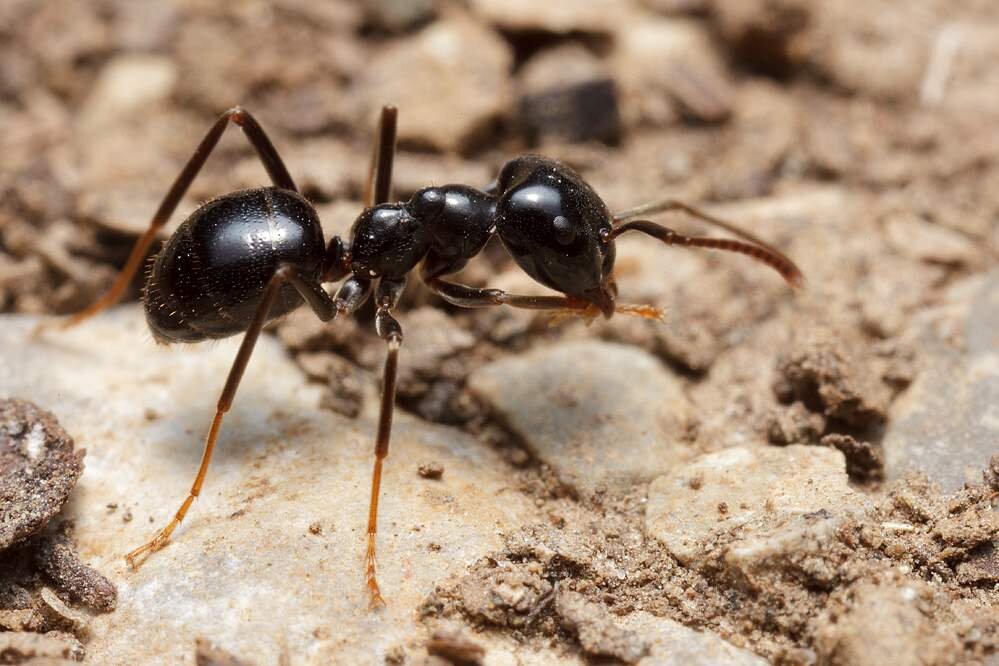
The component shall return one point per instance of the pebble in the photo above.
(947, 423)
(666, 66)
(599, 414)
(464, 75)
(884, 624)
(737, 496)
(559, 18)
(567, 94)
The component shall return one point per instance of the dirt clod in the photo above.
(430, 470)
(38, 469)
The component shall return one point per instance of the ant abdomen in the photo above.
(207, 280)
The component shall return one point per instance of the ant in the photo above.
(246, 258)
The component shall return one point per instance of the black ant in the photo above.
(246, 258)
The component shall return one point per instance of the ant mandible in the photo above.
(246, 258)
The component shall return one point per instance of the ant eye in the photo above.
(565, 231)
(605, 235)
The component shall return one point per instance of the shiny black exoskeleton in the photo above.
(550, 220)
(245, 258)
(207, 281)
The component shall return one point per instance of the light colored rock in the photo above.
(659, 59)
(455, 69)
(554, 17)
(245, 571)
(885, 623)
(672, 644)
(946, 424)
(599, 414)
(127, 83)
(738, 495)
(914, 237)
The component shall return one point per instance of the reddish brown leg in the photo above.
(471, 297)
(379, 186)
(325, 307)
(268, 155)
(390, 331)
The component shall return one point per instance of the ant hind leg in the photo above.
(268, 156)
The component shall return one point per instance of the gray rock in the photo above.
(947, 424)
(599, 414)
(741, 499)
(658, 61)
(566, 93)
(245, 570)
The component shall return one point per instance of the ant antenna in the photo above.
(756, 248)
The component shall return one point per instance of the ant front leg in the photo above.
(389, 330)
(350, 296)
(268, 156)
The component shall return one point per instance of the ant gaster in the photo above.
(245, 258)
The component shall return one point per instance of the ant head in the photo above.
(557, 229)
(387, 241)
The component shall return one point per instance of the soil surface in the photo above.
(800, 477)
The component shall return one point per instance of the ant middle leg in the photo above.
(351, 295)
(268, 156)
(389, 330)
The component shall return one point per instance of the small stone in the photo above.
(672, 644)
(208, 654)
(567, 94)
(38, 469)
(463, 87)
(455, 647)
(883, 624)
(658, 58)
(598, 634)
(982, 568)
(598, 414)
(126, 83)
(932, 243)
(398, 15)
(765, 34)
(61, 615)
(430, 470)
(57, 557)
(559, 18)
(762, 487)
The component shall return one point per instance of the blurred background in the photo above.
(101, 102)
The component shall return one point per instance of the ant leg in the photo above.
(390, 331)
(268, 156)
(324, 307)
(379, 186)
(759, 251)
(472, 297)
